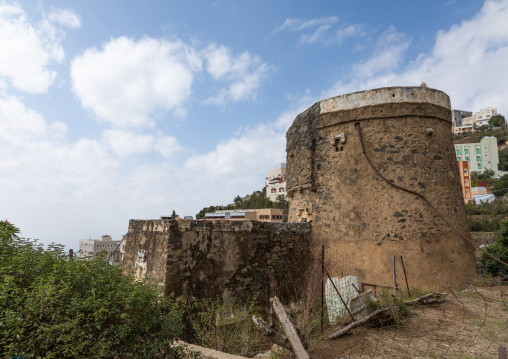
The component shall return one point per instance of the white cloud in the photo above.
(127, 81)
(320, 30)
(65, 17)
(27, 51)
(126, 143)
(468, 62)
(244, 74)
(387, 55)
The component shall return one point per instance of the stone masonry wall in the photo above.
(219, 258)
(407, 138)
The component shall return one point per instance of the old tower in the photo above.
(375, 171)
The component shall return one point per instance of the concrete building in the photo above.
(462, 129)
(275, 183)
(106, 245)
(481, 156)
(458, 115)
(264, 215)
(465, 180)
(482, 117)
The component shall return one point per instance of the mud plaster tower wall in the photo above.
(407, 136)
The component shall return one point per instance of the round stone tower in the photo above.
(376, 173)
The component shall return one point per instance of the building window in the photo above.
(466, 182)
(274, 190)
(465, 172)
(467, 191)
(281, 189)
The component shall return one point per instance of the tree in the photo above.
(497, 121)
(281, 203)
(55, 308)
(486, 174)
(173, 215)
(501, 187)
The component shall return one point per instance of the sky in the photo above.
(119, 110)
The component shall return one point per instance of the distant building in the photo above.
(465, 179)
(465, 121)
(482, 117)
(479, 198)
(480, 156)
(275, 183)
(264, 215)
(106, 245)
(458, 115)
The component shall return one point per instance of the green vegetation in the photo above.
(497, 121)
(498, 250)
(51, 307)
(256, 200)
(483, 131)
(227, 326)
(487, 216)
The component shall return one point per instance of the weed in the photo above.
(227, 326)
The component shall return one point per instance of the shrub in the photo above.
(51, 307)
(227, 326)
(498, 250)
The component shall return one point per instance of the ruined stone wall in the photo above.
(407, 137)
(200, 258)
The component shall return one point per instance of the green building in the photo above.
(481, 156)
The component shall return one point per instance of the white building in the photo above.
(113, 250)
(275, 183)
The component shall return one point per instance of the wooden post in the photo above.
(71, 254)
(322, 286)
(394, 277)
(501, 352)
(405, 276)
(289, 329)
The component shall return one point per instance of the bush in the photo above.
(51, 307)
(498, 250)
(227, 326)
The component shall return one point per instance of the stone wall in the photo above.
(406, 134)
(219, 258)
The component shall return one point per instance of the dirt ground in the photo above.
(472, 323)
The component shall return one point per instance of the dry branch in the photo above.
(425, 299)
(358, 323)
(271, 333)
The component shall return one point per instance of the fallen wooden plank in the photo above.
(289, 329)
(275, 336)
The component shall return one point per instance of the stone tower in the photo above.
(376, 173)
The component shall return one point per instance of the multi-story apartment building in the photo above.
(106, 245)
(458, 115)
(264, 215)
(275, 183)
(480, 156)
(465, 179)
(482, 117)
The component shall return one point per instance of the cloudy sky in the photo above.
(112, 110)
